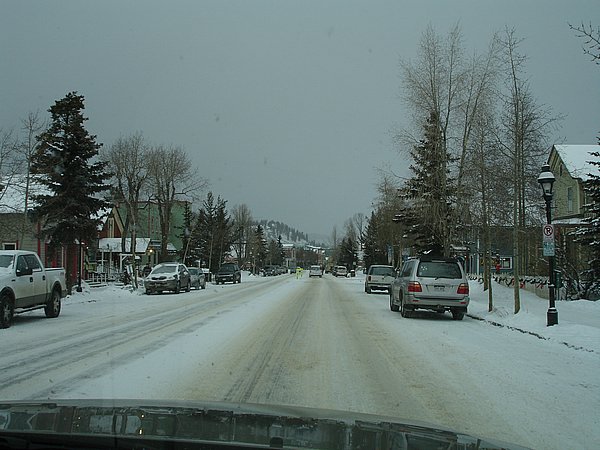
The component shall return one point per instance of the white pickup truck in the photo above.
(26, 285)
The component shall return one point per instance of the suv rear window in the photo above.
(439, 269)
(385, 271)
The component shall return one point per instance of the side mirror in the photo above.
(24, 272)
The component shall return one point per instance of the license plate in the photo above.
(439, 288)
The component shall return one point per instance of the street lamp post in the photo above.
(79, 264)
(546, 180)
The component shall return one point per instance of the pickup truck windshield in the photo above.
(6, 260)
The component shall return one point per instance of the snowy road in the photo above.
(309, 342)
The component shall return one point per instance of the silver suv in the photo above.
(379, 277)
(437, 284)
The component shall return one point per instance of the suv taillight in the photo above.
(463, 289)
(414, 286)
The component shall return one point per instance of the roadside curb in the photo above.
(531, 333)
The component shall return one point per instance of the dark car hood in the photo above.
(135, 423)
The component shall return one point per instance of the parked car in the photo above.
(437, 284)
(315, 271)
(197, 278)
(341, 271)
(26, 285)
(379, 277)
(170, 276)
(228, 272)
(269, 271)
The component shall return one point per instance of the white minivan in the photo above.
(315, 271)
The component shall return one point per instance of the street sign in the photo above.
(548, 248)
(548, 232)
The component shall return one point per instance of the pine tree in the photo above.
(589, 235)
(213, 232)
(187, 253)
(260, 247)
(348, 253)
(428, 194)
(66, 164)
(374, 247)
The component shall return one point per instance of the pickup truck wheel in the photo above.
(7, 311)
(52, 308)
(393, 306)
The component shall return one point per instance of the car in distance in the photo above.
(437, 284)
(169, 276)
(197, 278)
(315, 271)
(228, 272)
(341, 271)
(379, 277)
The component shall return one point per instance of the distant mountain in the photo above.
(289, 235)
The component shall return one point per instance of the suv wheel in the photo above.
(458, 314)
(367, 289)
(404, 311)
(393, 306)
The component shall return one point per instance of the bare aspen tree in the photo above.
(242, 226)
(128, 161)
(591, 36)
(521, 138)
(360, 223)
(9, 164)
(443, 85)
(171, 178)
(31, 125)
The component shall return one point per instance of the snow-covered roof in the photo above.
(576, 157)
(141, 245)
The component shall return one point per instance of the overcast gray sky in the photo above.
(287, 106)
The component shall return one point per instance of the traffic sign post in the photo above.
(546, 180)
(548, 242)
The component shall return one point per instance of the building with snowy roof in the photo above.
(571, 168)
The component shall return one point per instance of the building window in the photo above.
(9, 246)
(570, 199)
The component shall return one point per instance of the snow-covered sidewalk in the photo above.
(578, 320)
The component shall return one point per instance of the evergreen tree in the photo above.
(213, 232)
(589, 235)
(66, 164)
(428, 194)
(281, 253)
(374, 248)
(348, 253)
(187, 254)
(259, 247)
